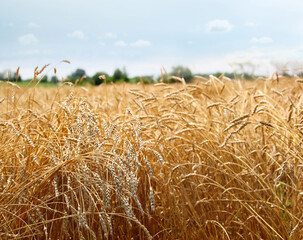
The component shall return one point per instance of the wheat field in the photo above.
(213, 159)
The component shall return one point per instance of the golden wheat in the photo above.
(215, 159)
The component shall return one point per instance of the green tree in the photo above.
(19, 79)
(44, 79)
(181, 71)
(146, 79)
(12, 77)
(54, 79)
(76, 75)
(96, 80)
(79, 73)
(124, 75)
(118, 74)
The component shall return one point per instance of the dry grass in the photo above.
(216, 159)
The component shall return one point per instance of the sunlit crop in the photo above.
(213, 159)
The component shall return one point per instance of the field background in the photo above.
(213, 159)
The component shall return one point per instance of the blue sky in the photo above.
(143, 35)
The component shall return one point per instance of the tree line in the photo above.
(120, 75)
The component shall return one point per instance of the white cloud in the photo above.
(219, 26)
(120, 43)
(265, 53)
(76, 34)
(29, 52)
(261, 59)
(101, 43)
(190, 42)
(10, 24)
(28, 39)
(141, 43)
(32, 25)
(36, 52)
(249, 24)
(261, 40)
(110, 35)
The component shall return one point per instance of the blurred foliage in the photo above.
(44, 79)
(245, 76)
(181, 72)
(78, 74)
(54, 80)
(145, 79)
(97, 81)
(10, 76)
(120, 76)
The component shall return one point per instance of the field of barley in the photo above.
(212, 159)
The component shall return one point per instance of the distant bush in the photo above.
(44, 79)
(54, 80)
(120, 75)
(76, 75)
(182, 72)
(117, 75)
(12, 77)
(146, 79)
(79, 73)
(97, 81)
(230, 75)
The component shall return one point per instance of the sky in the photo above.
(257, 36)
